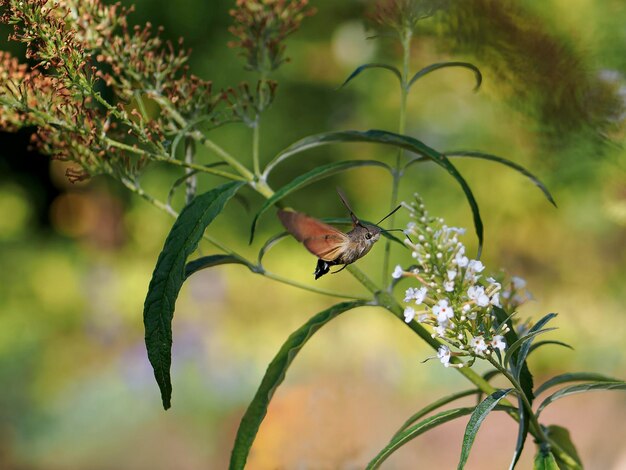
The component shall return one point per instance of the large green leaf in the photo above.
(573, 377)
(274, 376)
(545, 461)
(522, 432)
(525, 377)
(561, 437)
(415, 430)
(574, 389)
(442, 65)
(478, 416)
(169, 275)
(385, 138)
(312, 176)
(364, 67)
(214, 260)
(494, 158)
(434, 405)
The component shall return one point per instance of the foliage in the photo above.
(114, 99)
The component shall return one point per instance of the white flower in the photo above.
(443, 353)
(479, 345)
(495, 300)
(460, 259)
(466, 308)
(518, 283)
(451, 274)
(494, 283)
(409, 314)
(498, 343)
(477, 294)
(418, 294)
(440, 330)
(448, 286)
(443, 311)
(397, 272)
(475, 266)
(422, 317)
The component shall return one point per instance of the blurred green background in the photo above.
(75, 260)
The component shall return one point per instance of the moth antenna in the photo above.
(398, 230)
(354, 218)
(390, 214)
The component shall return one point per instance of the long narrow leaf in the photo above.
(573, 377)
(522, 432)
(478, 416)
(274, 376)
(574, 389)
(521, 342)
(214, 260)
(269, 244)
(169, 275)
(441, 65)
(537, 327)
(434, 405)
(412, 432)
(385, 138)
(364, 67)
(494, 158)
(539, 344)
(312, 176)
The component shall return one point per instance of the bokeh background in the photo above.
(77, 391)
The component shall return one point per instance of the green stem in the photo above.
(397, 175)
(256, 130)
(317, 290)
(223, 154)
(535, 427)
(191, 181)
(200, 168)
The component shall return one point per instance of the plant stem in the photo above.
(317, 290)
(397, 175)
(223, 154)
(200, 168)
(535, 429)
(192, 180)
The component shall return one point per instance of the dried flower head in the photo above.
(261, 27)
(452, 295)
(401, 16)
(83, 51)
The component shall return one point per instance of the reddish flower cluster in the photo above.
(261, 26)
(246, 104)
(83, 51)
(401, 16)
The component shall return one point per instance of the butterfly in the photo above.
(332, 246)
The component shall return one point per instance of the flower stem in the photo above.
(397, 174)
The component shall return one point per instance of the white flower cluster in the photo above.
(452, 296)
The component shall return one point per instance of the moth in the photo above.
(332, 246)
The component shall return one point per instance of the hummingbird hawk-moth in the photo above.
(331, 245)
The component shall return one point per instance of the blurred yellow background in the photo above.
(75, 260)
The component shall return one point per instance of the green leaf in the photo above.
(522, 432)
(269, 244)
(441, 65)
(536, 328)
(412, 432)
(434, 405)
(544, 343)
(524, 340)
(364, 67)
(562, 438)
(478, 416)
(385, 138)
(545, 461)
(169, 275)
(274, 376)
(214, 260)
(312, 176)
(510, 164)
(525, 377)
(573, 377)
(574, 389)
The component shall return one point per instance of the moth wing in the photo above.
(323, 240)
